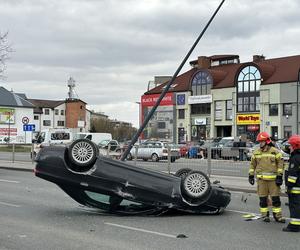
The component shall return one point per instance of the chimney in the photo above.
(203, 62)
(258, 58)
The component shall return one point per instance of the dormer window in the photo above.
(201, 83)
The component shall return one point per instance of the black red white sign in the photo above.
(25, 120)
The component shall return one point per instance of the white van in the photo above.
(51, 136)
(94, 137)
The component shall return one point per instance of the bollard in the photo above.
(135, 155)
(32, 153)
(209, 161)
(169, 159)
(13, 152)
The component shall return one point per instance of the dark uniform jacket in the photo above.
(292, 175)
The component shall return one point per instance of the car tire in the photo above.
(83, 153)
(129, 157)
(196, 185)
(183, 172)
(154, 157)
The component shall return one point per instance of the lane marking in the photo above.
(140, 230)
(2, 180)
(9, 204)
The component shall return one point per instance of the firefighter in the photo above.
(292, 182)
(267, 164)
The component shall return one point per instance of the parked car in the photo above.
(112, 145)
(118, 187)
(155, 151)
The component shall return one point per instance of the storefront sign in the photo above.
(7, 116)
(253, 127)
(200, 121)
(200, 99)
(150, 100)
(248, 119)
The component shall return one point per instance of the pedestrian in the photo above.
(267, 164)
(292, 182)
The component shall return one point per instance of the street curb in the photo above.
(17, 169)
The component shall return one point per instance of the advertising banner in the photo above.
(150, 100)
(7, 116)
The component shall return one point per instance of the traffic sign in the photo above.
(29, 127)
(25, 120)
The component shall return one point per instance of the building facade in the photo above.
(220, 96)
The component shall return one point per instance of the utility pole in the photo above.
(297, 102)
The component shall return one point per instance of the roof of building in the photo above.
(40, 104)
(276, 70)
(11, 99)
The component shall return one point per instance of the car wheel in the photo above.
(83, 153)
(154, 157)
(182, 172)
(129, 157)
(196, 185)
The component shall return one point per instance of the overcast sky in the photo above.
(113, 48)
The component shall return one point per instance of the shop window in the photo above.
(201, 83)
(273, 109)
(248, 85)
(47, 111)
(218, 110)
(181, 113)
(36, 117)
(229, 110)
(46, 123)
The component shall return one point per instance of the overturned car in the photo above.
(117, 187)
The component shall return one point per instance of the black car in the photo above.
(118, 187)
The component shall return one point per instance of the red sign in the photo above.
(150, 100)
(253, 127)
(6, 131)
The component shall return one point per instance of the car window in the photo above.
(106, 199)
(60, 136)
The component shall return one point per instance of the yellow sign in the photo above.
(248, 119)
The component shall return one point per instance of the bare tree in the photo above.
(5, 49)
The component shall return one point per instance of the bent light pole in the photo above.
(150, 114)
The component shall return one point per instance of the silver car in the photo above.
(155, 151)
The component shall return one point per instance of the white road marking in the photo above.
(9, 204)
(140, 230)
(2, 180)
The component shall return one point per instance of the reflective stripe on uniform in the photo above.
(264, 155)
(295, 221)
(266, 176)
(292, 179)
(286, 166)
(280, 171)
(263, 209)
(278, 156)
(276, 209)
(295, 190)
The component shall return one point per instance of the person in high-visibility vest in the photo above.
(292, 182)
(267, 164)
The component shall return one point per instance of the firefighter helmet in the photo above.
(294, 141)
(263, 136)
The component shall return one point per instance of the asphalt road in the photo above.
(35, 214)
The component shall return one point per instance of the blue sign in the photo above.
(29, 127)
(181, 99)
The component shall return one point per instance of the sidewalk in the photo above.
(232, 183)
